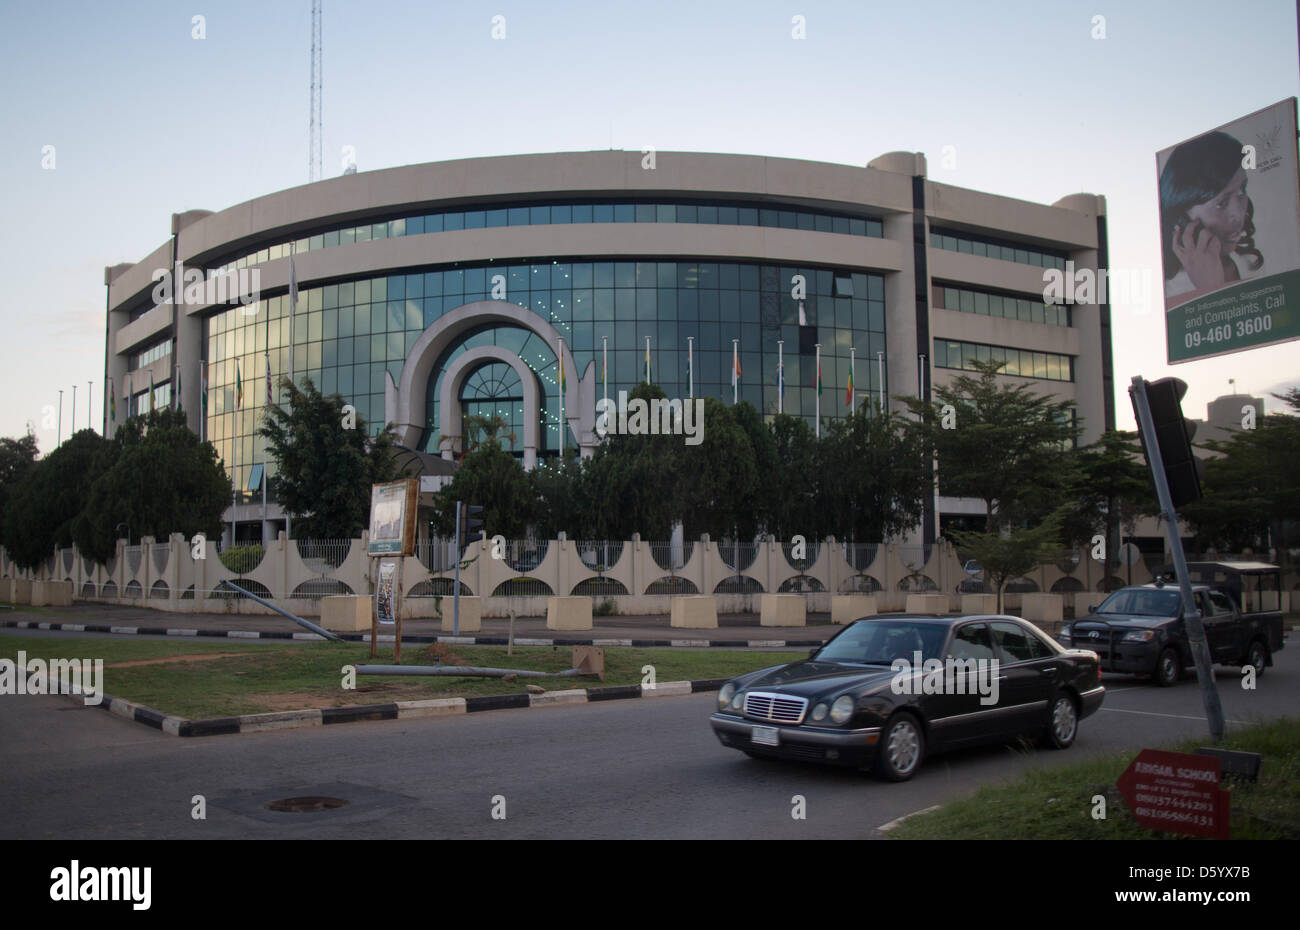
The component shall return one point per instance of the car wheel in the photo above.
(902, 746)
(1063, 725)
(1257, 656)
(1169, 668)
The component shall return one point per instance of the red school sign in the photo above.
(1177, 792)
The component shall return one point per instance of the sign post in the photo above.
(1177, 792)
(1230, 236)
(392, 532)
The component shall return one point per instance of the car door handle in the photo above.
(1047, 671)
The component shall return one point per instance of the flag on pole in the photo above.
(112, 402)
(848, 395)
(239, 387)
(151, 389)
(780, 376)
(269, 399)
(647, 359)
(563, 382)
(178, 387)
(819, 375)
(735, 370)
(203, 383)
(293, 280)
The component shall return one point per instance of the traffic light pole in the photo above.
(455, 597)
(1191, 616)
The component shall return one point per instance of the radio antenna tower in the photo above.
(315, 159)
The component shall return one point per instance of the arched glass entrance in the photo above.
(492, 404)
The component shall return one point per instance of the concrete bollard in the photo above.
(694, 612)
(845, 608)
(979, 603)
(926, 604)
(782, 610)
(471, 614)
(568, 613)
(346, 613)
(1043, 608)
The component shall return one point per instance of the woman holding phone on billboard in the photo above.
(1206, 217)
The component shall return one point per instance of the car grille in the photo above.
(779, 708)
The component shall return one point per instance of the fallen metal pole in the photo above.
(307, 624)
(462, 671)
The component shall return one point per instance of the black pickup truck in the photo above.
(1140, 629)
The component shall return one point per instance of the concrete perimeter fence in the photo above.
(519, 577)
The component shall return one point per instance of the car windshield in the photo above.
(1142, 602)
(880, 642)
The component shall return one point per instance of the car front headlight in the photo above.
(1139, 636)
(842, 709)
(724, 696)
(820, 711)
(738, 701)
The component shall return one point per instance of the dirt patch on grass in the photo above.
(364, 694)
(201, 657)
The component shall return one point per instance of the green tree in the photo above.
(793, 506)
(17, 459)
(495, 480)
(1000, 443)
(559, 506)
(755, 505)
(157, 477)
(45, 505)
(326, 462)
(1012, 552)
(1252, 491)
(872, 477)
(1112, 490)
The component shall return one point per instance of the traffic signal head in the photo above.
(469, 524)
(1174, 438)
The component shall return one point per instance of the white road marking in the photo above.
(1151, 713)
(885, 828)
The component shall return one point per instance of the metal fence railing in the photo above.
(322, 556)
(809, 551)
(436, 553)
(861, 555)
(671, 557)
(134, 555)
(524, 555)
(737, 555)
(599, 555)
(160, 554)
(523, 587)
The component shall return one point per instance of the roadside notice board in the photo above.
(1177, 792)
(1230, 236)
(392, 517)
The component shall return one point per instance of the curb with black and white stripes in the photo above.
(419, 638)
(394, 710)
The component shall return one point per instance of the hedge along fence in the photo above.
(637, 576)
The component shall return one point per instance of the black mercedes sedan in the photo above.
(887, 690)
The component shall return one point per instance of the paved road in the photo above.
(647, 768)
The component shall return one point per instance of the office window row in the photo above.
(1005, 306)
(148, 356)
(569, 213)
(1022, 363)
(992, 248)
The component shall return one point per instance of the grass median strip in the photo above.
(196, 680)
(1057, 803)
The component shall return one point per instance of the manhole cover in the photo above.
(306, 805)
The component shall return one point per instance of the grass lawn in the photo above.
(1056, 804)
(196, 680)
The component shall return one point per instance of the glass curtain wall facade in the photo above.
(347, 335)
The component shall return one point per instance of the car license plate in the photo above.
(766, 736)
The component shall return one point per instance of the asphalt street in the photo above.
(647, 768)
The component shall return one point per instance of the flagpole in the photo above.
(293, 300)
(90, 386)
(880, 373)
(853, 394)
(647, 359)
(735, 371)
(559, 351)
(604, 367)
(690, 367)
(780, 376)
(817, 417)
(265, 413)
(73, 418)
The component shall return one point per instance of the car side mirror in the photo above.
(1092, 609)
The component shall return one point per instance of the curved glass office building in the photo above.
(431, 293)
